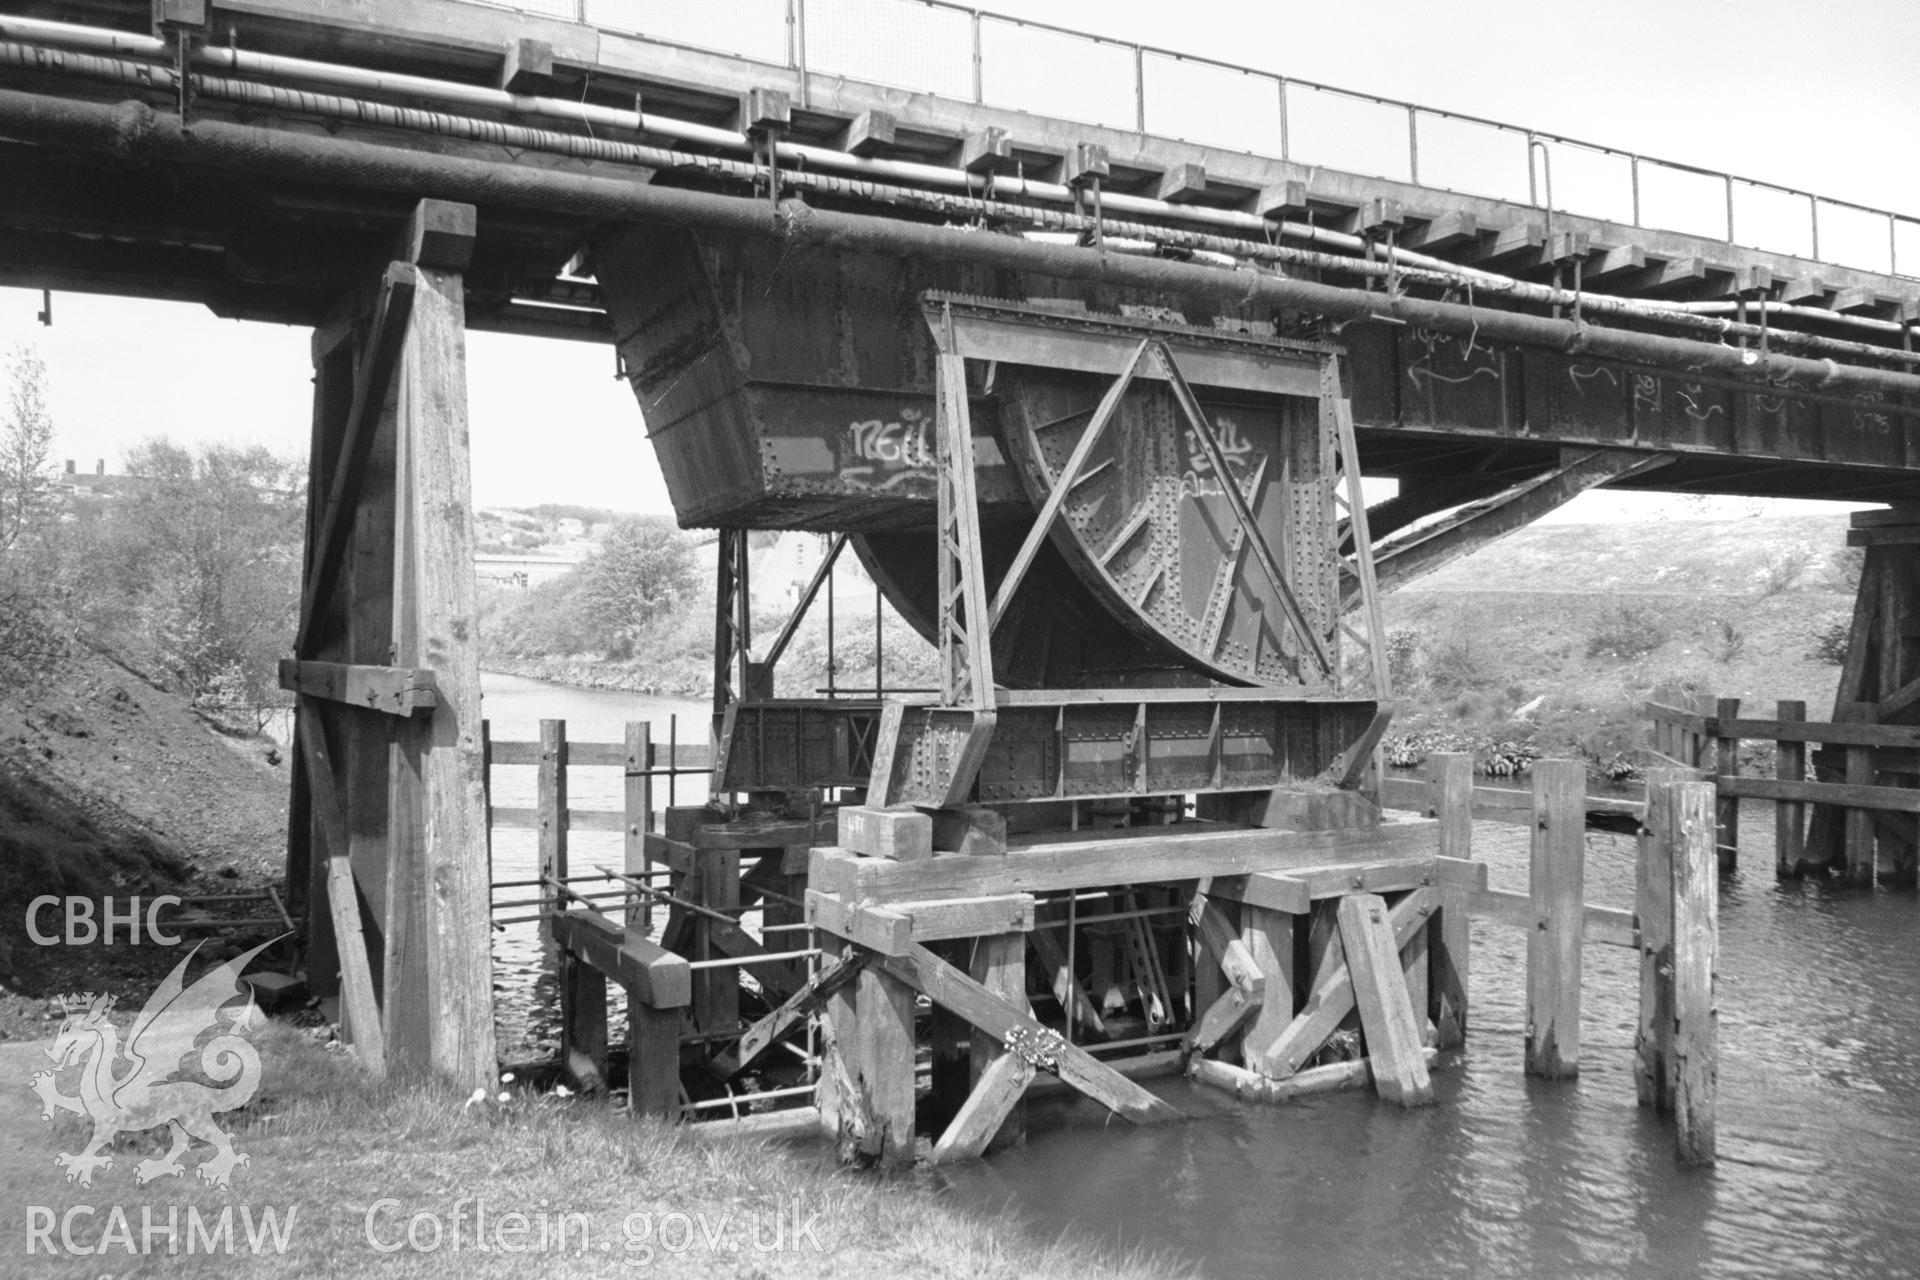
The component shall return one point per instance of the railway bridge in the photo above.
(1090, 397)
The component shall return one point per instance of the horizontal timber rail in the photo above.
(1506, 804)
(1869, 829)
(641, 761)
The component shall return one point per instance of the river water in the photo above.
(1819, 1105)
(527, 1002)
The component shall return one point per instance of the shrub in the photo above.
(1627, 632)
(1843, 568)
(1403, 655)
(1458, 664)
(1724, 641)
(1782, 570)
(1830, 636)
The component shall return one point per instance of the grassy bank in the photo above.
(327, 1144)
(1554, 637)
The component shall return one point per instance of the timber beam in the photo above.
(1176, 855)
(396, 691)
(1022, 1035)
(1331, 997)
(649, 971)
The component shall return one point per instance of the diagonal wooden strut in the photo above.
(762, 1035)
(1332, 999)
(1069, 478)
(391, 313)
(945, 985)
(993, 1099)
(1387, 1016)
(356, 973)
(1247, 985)
(1237, 502)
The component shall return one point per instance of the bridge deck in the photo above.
(268, 248)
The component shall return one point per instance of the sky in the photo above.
(1791, 91)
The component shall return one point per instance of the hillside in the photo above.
(550, 529)
(111, 785)
(1582, 621)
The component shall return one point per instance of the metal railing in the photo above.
(956, 51)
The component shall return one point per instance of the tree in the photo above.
(26, 445)
(204, 548)
(644, 565)
(614, 604)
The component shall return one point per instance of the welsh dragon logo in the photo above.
(141, 1085)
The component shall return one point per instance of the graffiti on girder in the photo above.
(1445, 349)
(1197, 479)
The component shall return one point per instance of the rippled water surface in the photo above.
(1819, 1104)
(1819, 1123)
(527, 1022)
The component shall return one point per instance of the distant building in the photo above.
(74, 483)
(780, 573)
(521, 572)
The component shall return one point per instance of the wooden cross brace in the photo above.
(1332, 998)
(1028, 1044)
(762, 1035)
(1248, 985)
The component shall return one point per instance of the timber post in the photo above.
(1653, 920)
(1726, 764)
(1450, 776)
(1790, 816)
(583, 1022)
(1677, 917)
(1557, 890)
(1696, 924)
(386, 662)
(551, 793)
(637, 798)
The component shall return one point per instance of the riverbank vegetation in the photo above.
(1552, 639)
(362, 1165)
(637, 615)
(141, 616)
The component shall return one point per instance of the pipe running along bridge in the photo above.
(1091, 403)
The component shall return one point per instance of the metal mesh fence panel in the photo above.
(754, 29)
(1050, 72)
(1215, 105)
(892, 42)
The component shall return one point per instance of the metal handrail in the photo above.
(794, 21)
